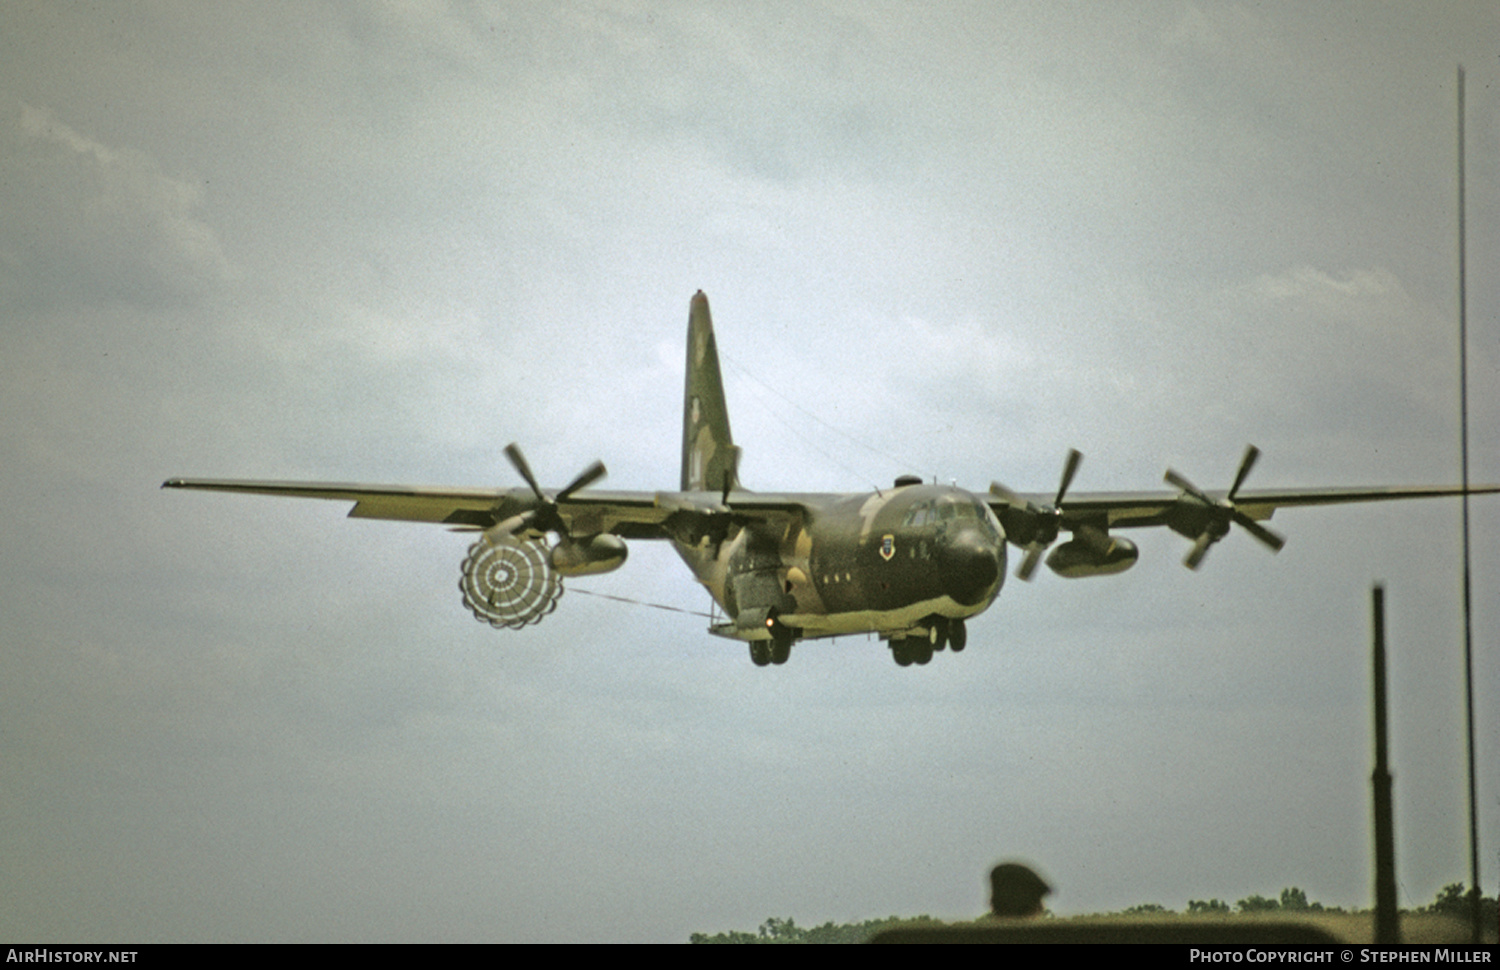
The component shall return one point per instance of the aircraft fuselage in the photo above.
(887, 562)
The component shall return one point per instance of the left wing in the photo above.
(1034, 520)
(1131, 510)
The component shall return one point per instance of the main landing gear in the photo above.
(763, 652)
(776, 650)
(941, 633)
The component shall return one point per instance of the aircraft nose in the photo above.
(971, 567)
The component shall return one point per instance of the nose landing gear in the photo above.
(941, 633)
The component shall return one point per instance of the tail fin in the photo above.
(709, 458)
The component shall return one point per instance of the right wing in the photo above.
(630, 515)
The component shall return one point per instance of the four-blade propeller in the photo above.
(1036, 525)
(545, 517)
(1210, 519)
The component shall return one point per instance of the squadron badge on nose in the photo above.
(887, 547)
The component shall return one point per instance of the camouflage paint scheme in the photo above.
(910, 563)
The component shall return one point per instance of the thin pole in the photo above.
(1463, 434)
(1387, 919)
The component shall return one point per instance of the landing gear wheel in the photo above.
(958, 635)
(900, 652)
(781, 650)
(937, 632)
(921, 652)
(760, 652)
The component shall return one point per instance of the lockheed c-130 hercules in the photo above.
(910, 563)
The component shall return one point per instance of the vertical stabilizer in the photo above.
(709, 459)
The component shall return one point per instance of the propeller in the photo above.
(546, 517)
(1039, 523)
(1217, 515)
(731, 473)
(510, 578)
(690, 520)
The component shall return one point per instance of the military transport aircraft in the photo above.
(910, 563)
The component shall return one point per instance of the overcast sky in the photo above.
(377, 242)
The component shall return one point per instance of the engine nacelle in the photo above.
(589, 556)
(1094, 556)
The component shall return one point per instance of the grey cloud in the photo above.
(87, 221)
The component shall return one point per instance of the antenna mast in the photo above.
(1463, 433)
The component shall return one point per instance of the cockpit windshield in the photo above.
(953, 508)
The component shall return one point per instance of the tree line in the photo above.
(1452, 900)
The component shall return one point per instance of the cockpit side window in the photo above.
(987, 519)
